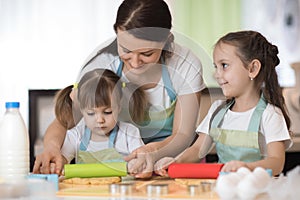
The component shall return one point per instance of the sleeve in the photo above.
(274, 127)
(204, 125)
(128, 138)
(186, 71)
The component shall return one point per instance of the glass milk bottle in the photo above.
(14, 144)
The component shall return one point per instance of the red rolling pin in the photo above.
(195, 170)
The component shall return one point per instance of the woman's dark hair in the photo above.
(252, 45)
(144, 19)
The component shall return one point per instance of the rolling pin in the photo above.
(195, 170)
(89, 170)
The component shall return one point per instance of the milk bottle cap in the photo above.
(12, 104)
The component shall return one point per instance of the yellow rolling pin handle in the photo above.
(89, 170)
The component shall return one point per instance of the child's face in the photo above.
(100, 120)
(231, 74)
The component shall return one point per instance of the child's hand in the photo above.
(233, 166)
(162, 165)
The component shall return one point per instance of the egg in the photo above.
(226, 184)
(247, 188)
(243, 171)
(262, 178)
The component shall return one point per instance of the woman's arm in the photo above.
(193, 154)
(275, 160)
(53, 140)
(184, 124)
(197, 151)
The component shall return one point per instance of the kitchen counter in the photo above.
(154, 188)
(176, 190)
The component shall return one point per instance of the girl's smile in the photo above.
(230, 67)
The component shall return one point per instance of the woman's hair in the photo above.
(144, 19)
(252, 45)
(98, 88)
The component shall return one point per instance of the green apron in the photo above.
(237, 144)
(105, 155)
(157, 125)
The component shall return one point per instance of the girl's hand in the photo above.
(161, 166)
(233, 166)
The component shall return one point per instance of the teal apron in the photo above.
(157, 125)
(105, 155)
(237, 144)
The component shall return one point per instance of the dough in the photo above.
(92, 181)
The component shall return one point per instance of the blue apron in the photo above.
(237, 144)
(105, 155)
(157, 125)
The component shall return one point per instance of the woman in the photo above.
(144, 53)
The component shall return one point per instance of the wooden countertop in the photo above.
(176, 189)
(162, 188)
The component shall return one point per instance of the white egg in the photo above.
(243, 171)
(226, 184)
(247, 189)
(262, 178)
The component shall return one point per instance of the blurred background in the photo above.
(44, 43)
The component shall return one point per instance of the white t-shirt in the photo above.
(128, 139)
(184, 67)
(272, 127)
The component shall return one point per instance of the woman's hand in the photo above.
(50, 161)
(161, 166)
(233, 166)
(140, 163)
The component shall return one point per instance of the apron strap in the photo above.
(167, 83)
(255, 118)
(113, 136)
(120, 68)
(87, 136)
(85, 139)
(218, 117)
(165, 76)
(257, 115)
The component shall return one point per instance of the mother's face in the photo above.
(137, 53)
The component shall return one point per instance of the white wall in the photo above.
(279, 21)
(43, 43)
